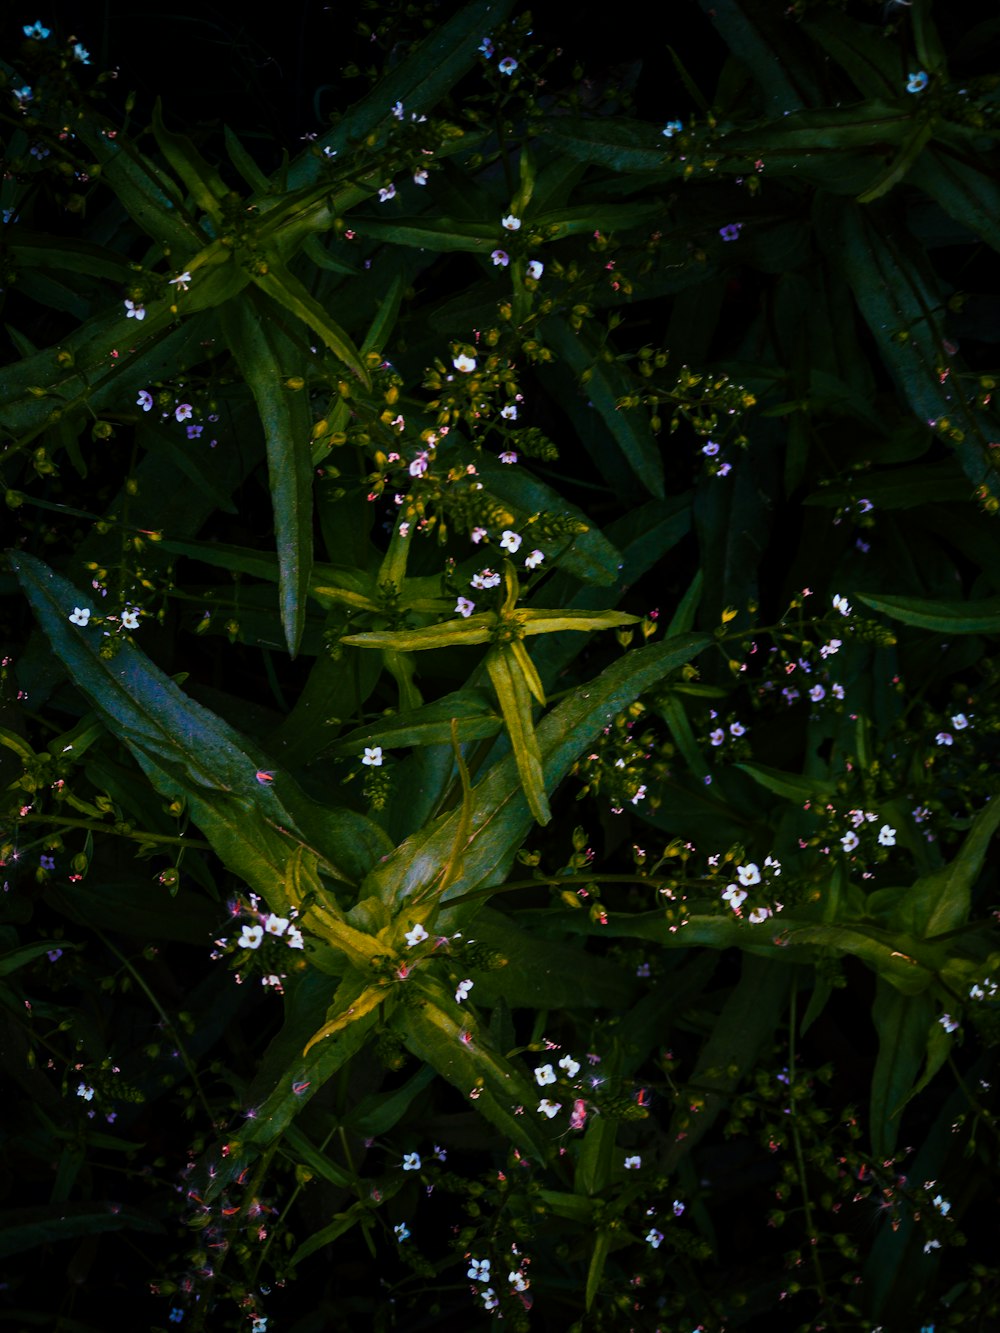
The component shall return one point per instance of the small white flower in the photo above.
(758, 915)
(817, 693)
(976, 992)
(411, 1162)
(941, 1204)
(183, 411)
(464, 363)
(486, 46)
(500, 258)
(130, 619)
(841, 604)
(508, 456)
(734, 896)
(717, 736)
(849, 841)
(479, 1270)
(464, 607)
(830, 648)
(397, 110)
(959, 721)
(509, 413)
(145, 400)
(181, 281)
(511, 222)
(511, 541)
(81, 614)
(478, 535)
(462, 990)
(402, 1231)
(678, 1208)
(276, 925)
(948, 1023)
(533, 560)
(489, 1298)
(671, 128)
(944, 738)
(887, 836)
(85, 1091)
(837, 691)
(535, 269)
(81, 54)
(571, 1066)
(508, 65)
(386, 193)
(547, 1108)
(633, 1163)
(748, 875)
(486, 578)
(640, 795)
(737, 729)
(35, 31)
(415, 936)
(544, 1074)
(518, 1281)
(932, 1245)
(420, 177)
(294, 938)
(372, 756)
(770, 863)
(654, 1238)
(251, 937)
(135, 310)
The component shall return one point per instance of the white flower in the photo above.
(944, 738)
(678, 1208)
(388, 192)
(135, 310)
(420, 177)
(737, 729)
(508, 65)
(464, 607)
(633, 1163)
(294, 938)
(518, 1281)
(773, 865)
(654, 1238)
(486, 46)
(941, 1204)
(511, 222)
(81, 614)
(411, 1162)
(640, 795)
(397, 110)
(251, 937)
(932, 1245)
(145, 400)
(479, 1270)
(748, 875)
(734, 896)
(81, 54)
(887, 836)
(183, 411)
(548, 1108)
(837, 691)
(544, 1074)
(85, 1092)
(509, 413)
(571, 1066)
(959, 721)
(419, 465)
(486, 578)
(35, 31)
(415, 936)
(717, 736)
(130, 619)
(841, 604)
(535, 269)
(533, 560)
(830, 648)
(181, 281)
(489, 1298)
(462, 990)
(276, 925)
(372, 756)
(849, 841)
(817, 693)
(671, 128)
(464, 363)
(510, 541)
(500, 258)
(402, 1231)
(508, 456)
(758, 915)
(948, 1023)
(478, 535)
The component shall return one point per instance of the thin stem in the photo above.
(95, 826)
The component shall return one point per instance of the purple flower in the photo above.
(731, 232)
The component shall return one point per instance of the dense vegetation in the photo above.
(500, 692)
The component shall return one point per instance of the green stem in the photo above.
(95, 826)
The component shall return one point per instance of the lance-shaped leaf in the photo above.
(481, 628)
(286, 290)
(514, 696)
(266, 357)
(953, 617)
(469, 710)
(254, 818)
(501, 815)
(206, 186)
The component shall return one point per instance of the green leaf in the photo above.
(902, 1023)
(266, 356)
(23, 1229)
(245, 164)
(791, 786)
(515, 700)
(470, 710)
(285, 290)
(204, 183)
(299, 1148)
(951, 617)
(380, 1112)
(595, 1270)
(17, 958)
